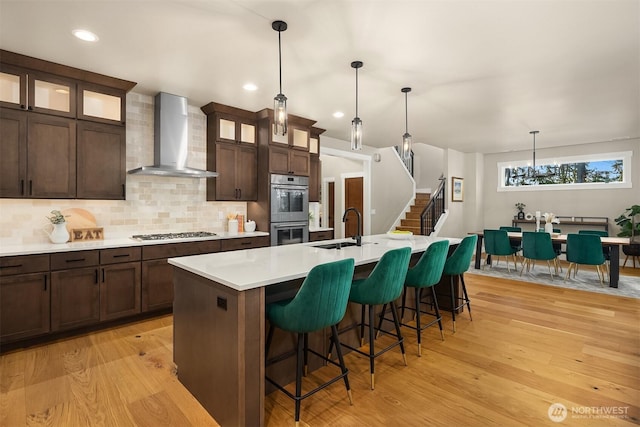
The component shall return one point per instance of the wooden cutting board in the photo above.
(79, 218)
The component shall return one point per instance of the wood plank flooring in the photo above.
(527, 347)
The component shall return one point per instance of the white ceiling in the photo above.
(484, 73)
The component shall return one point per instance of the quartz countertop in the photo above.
(252, 268)
(43, 248)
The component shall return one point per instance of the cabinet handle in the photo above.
(96, 276)
(74, 260)
(45, 282)
(124, 192)
(239, 193)
(246, 243)
(22, 187)
(121, 255)
(22, 106)
(30, 108)
(11, 266)
(30, 188)
(103, 275)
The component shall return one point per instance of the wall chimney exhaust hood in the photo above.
(170, 140)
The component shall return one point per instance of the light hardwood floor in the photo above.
(528, 346)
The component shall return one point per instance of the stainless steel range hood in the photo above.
(170, 140)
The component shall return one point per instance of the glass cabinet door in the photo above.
(13, 88)
(50, 94)
(101, 104)
(300, 138)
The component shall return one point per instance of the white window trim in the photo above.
(625, 183)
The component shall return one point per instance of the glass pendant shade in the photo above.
(280, 114)
(406, 145)
(280, 101)
(356, 123)
(356, 134)
(405, 149)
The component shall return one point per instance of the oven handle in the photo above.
(290, 225)
(290, 187)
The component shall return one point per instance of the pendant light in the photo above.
(356, 123)
(280, 101)
(405, 150)
(531, 174)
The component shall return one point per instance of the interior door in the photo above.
(331, 211)
(353, 198)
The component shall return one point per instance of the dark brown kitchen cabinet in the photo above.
(75, 289)
(101, 162)
(120, 290)
(101, 104)
(314, 178)
(24, 297)
(120, 282)
(237, 168)
(157, 273)
(232, 152)
(245, 243)
(38, 155)
(75, 298)
(316, 236)
(288, 161)
(37, 91)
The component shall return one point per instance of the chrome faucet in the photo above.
(357, 237)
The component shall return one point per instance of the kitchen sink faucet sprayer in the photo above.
(357, 237)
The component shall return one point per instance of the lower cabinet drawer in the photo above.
(75, 259)
(244, 243)
(23, 264)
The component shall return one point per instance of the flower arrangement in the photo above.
(56, 217)
(551, 218)
(520, 206)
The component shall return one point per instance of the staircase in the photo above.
(412, 218)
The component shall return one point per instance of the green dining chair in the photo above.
(321, 302)
(515, 243)
(455, 266)
(585, 249)
(383, 286)
(425, 275)
(606, 251)
(538, 247)
(497, 244)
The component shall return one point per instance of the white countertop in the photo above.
(253, 268)
(43, 248)
(314, 229)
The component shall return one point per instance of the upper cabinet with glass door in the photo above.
(35, 91)
(231, 125)
(101, 104)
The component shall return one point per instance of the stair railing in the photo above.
(435, 208)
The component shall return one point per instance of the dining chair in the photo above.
(496, 243)
(606, 251)
(515, 243)
(320, 302)
(585, 249)
(455, 266)
(538, 247)
(383, 286)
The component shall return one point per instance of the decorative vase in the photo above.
(520, 214)
(233, 227)
(59, 233)
(548, 227)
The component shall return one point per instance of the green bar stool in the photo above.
(456, 265)
(321, 302)
(383, 286)
(585, 249)
(497, 243)
(425, 275)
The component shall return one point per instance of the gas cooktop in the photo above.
(169, 236)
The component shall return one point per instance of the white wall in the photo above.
(499, 207)
(428, 166)
(456, 164)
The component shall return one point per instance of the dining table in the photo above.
(613, 243)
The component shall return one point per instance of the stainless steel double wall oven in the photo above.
(289, 209)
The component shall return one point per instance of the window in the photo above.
(594, 171)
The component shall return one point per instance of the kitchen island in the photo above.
(219, 316)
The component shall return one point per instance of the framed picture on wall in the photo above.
(457, 189)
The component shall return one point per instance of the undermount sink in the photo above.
(335, 245)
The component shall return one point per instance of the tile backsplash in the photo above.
(153, 204)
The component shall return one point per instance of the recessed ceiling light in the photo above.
(338, 114)
(85, 35)
(250, 87)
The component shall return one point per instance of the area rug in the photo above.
(586, 280)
